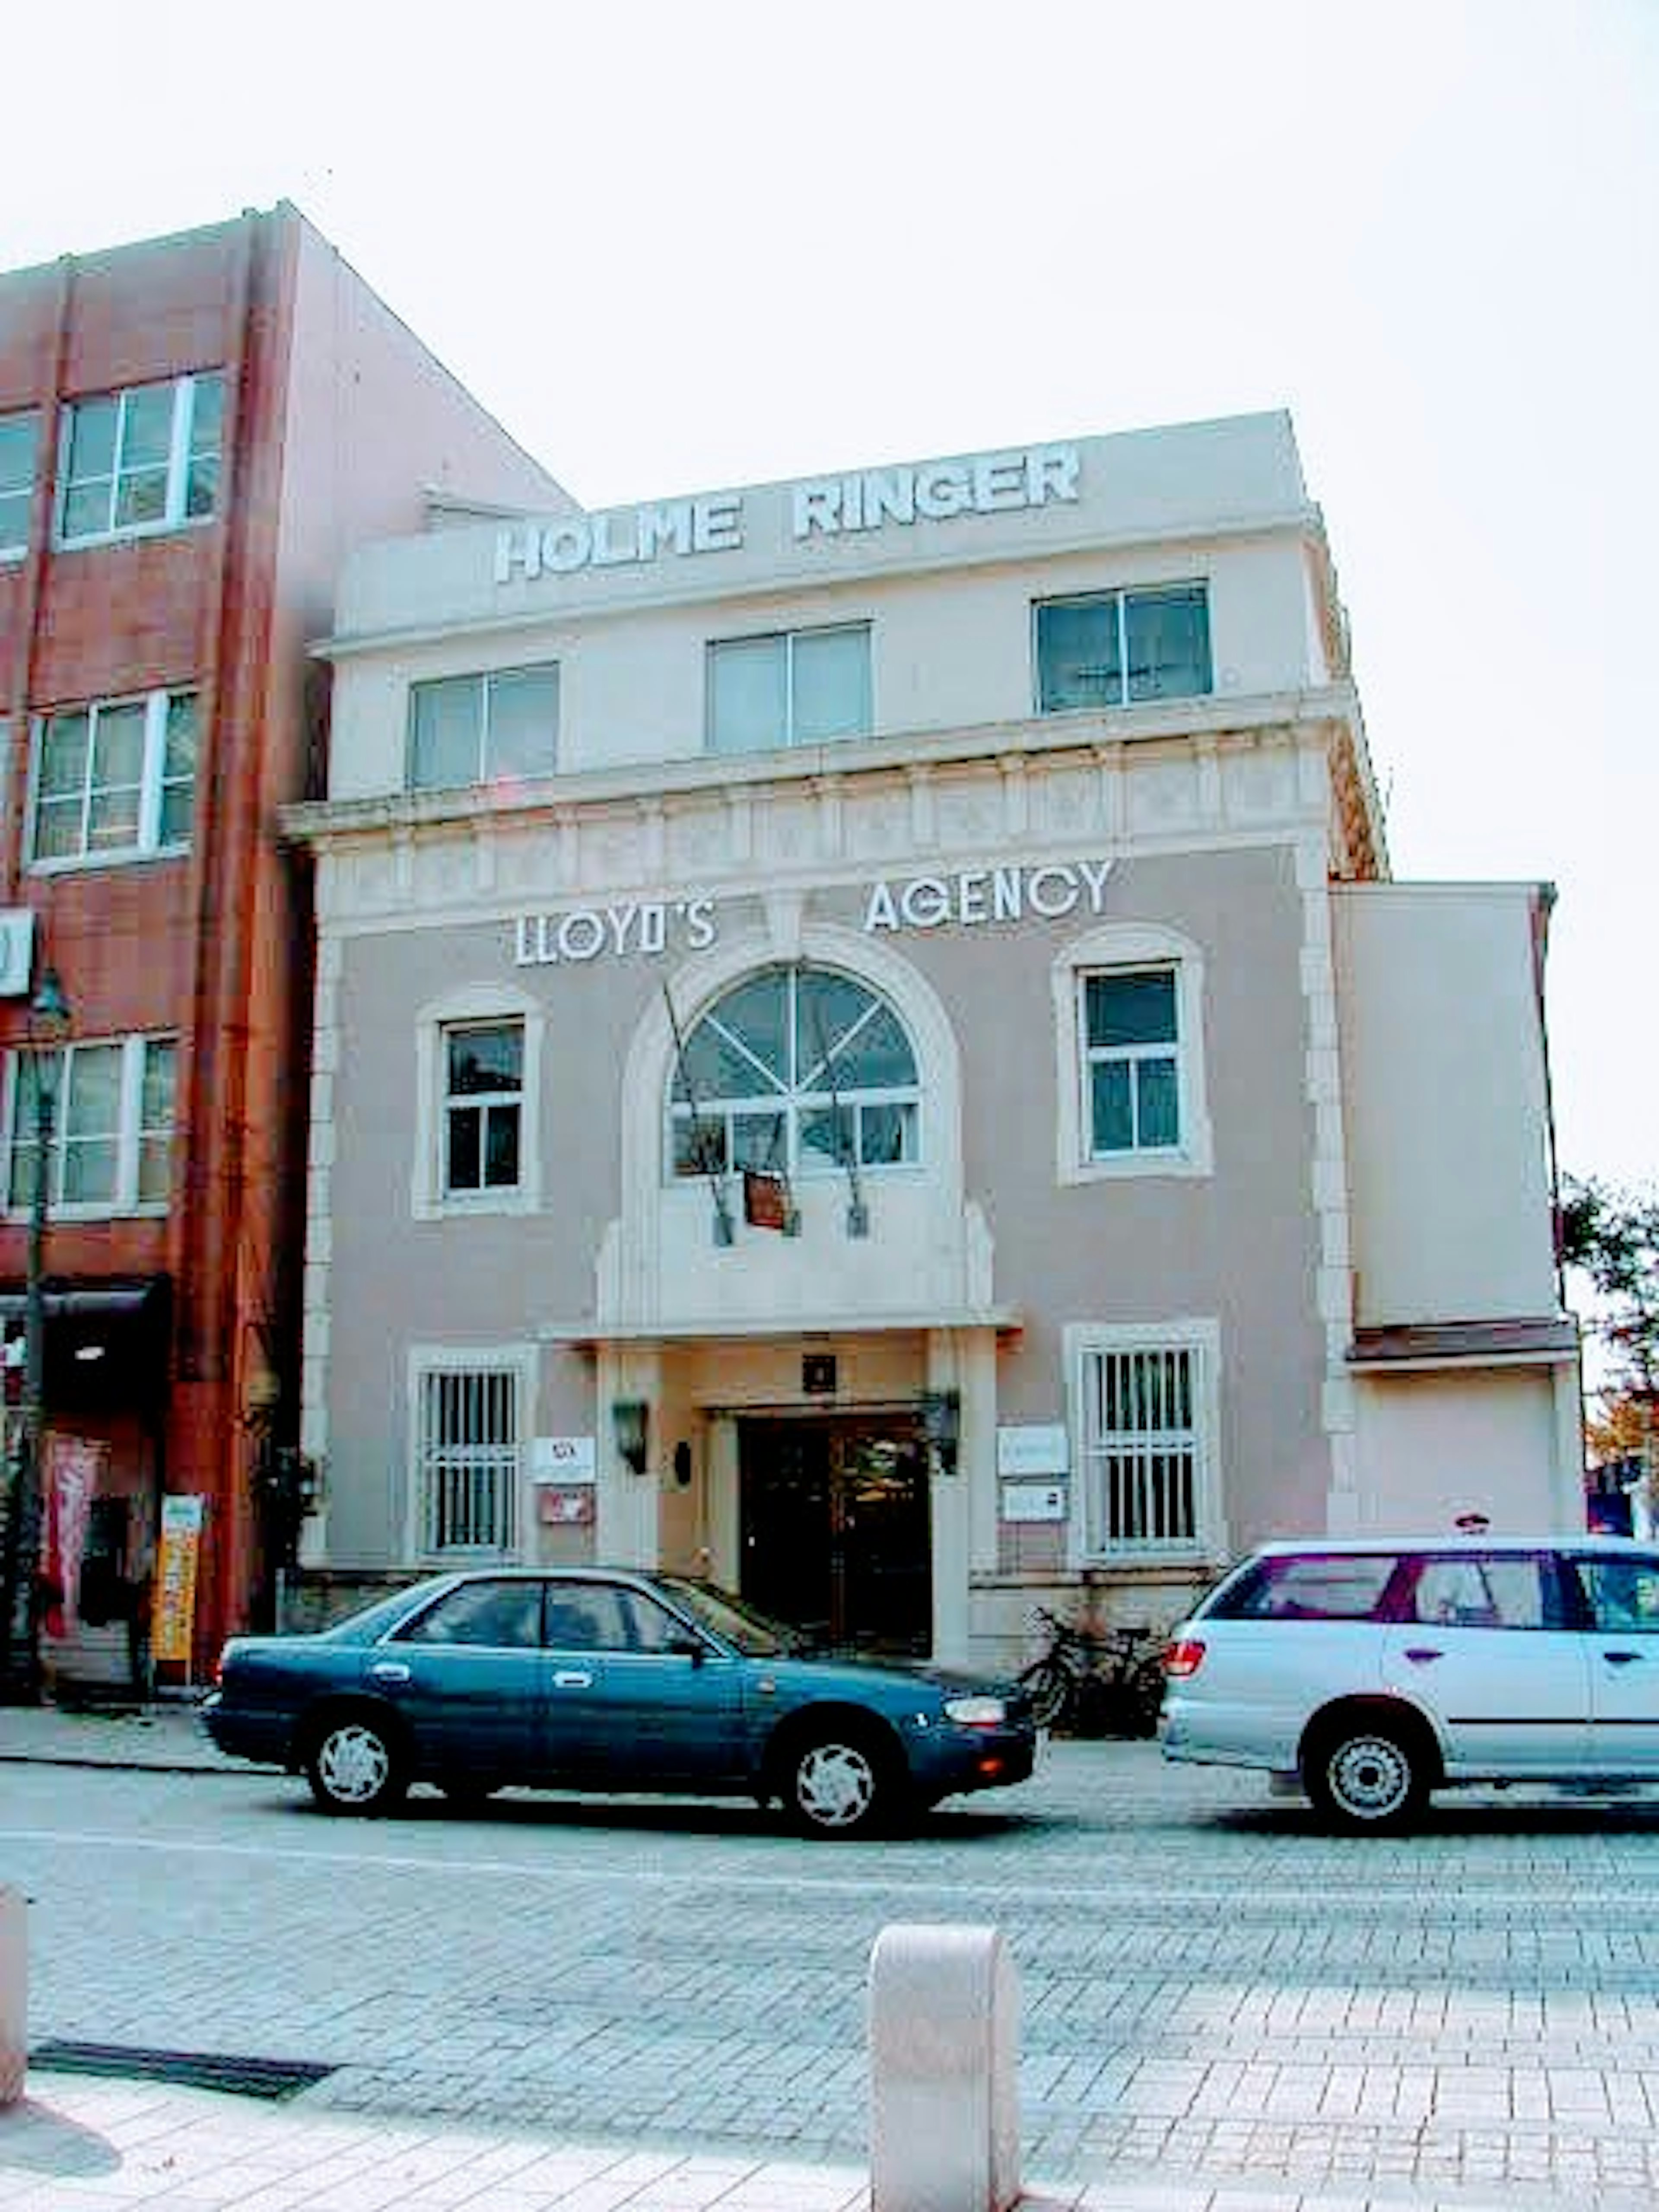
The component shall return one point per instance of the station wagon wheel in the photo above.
(1365, 1774)
(355, 1764)
(837, 1782)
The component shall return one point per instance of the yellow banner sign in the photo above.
(175, 1578)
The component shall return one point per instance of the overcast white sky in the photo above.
(699, 244)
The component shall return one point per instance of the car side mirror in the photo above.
(688, 1647)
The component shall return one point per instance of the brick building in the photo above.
(194, 431)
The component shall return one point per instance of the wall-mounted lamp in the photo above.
(941, 1425)
(630, 1422)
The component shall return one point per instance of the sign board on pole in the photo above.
(175, 1578)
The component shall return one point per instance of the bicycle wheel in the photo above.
(1049, 1686)
(1144, 1697)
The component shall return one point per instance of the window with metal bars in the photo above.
(468, 1454)
(1141, 1448)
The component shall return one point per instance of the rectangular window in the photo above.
(18, 440)
(483, 1105)
(115, 779)
(1142, 1410)
(1117, 649)
(112, 1127)
(484, 729)
(798, 687)
(467, 1471)
(142, 461)
(1132, 1062)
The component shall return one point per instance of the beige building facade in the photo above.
(865, 1046)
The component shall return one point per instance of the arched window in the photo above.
(797, 1070)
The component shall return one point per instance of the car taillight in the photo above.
(1182, 1658)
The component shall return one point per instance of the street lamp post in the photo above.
(49, 1021)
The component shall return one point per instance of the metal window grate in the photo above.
(1141, 1447)
(468, 1460)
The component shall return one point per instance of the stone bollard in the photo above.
(943, 2059)
(13, 1995)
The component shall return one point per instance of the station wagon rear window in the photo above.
(1309, 1586)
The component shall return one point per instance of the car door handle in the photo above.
(572, 1678)
(1420, 1652)
(1621, 1658)
(388, 1670)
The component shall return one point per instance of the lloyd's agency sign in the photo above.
(970, 897)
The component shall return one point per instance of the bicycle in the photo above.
(1096, 1683)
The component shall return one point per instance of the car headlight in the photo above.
(976, 1712)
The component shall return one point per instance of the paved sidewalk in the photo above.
(80, 2143)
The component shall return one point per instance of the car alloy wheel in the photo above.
(837, 1789)
(354, 1767)
(1367, 1779)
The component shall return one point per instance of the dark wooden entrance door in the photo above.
(835, 1530)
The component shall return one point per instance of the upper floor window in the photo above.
(484, 728)
(115, 779)
(142, 461)
(19, 439)
(800, 687)
(1132, 1046)
(1128, 1001)
(1115, 648)
(111, 1127)
(483, 1107)
(795, 1070)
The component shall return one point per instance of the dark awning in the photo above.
(1548, 1340)
(138, 1297)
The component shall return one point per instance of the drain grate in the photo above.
(270, 2078)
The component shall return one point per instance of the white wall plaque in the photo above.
(563, 1460)
(1034, 1501)
(1033, 1449)
(17, 950)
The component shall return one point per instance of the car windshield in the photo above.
(756, 1634)
(372, 1622)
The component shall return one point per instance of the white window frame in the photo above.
(15, 548)
(482, 682)
(1127, 946)
(152, 790)
(788, 640)
(128, 1136)
(180, 456)
(1199, 1339)
(429, 1198)
(427, 1362)
(1120, 597)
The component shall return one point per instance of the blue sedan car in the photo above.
(590, 1679)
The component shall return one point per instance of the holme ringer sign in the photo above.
(819, 507)
(1049, 891)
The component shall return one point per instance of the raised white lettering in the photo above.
(621, 920)
(520, 547)
(999, 483)
(818, 507)
(664, 529)
(716, 525)
(941, 492)
(1052, 471)
(654, 926)
(582, 934)
(699, 924)
(1052, 905)
(970, 895)
(609, 550)
(1007, 885)
(565, 546)
(880, 914)
(1093, 873)
(925, 903)
(889, 496)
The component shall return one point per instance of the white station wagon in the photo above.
(1374, 1671)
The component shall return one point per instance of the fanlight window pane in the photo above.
(1132, 1009)
(830, 1060)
